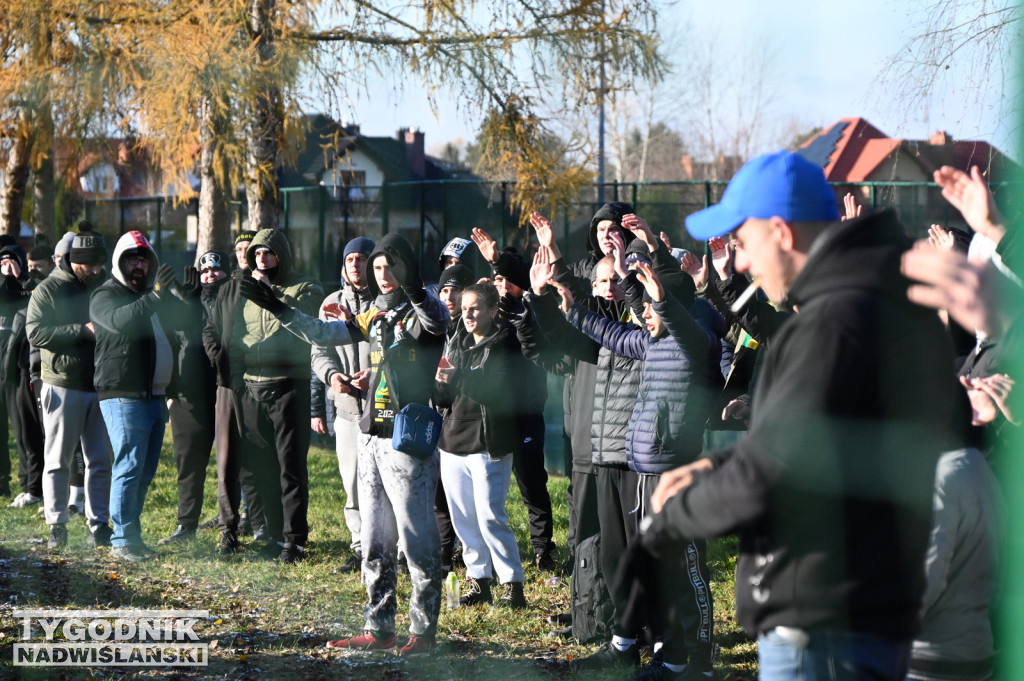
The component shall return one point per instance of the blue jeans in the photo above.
(136, 430)
(830, 655)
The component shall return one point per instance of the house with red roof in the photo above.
(854, 151)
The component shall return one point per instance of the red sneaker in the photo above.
(419, 645)
(365, 641)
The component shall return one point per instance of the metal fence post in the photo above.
(159, 227)
(321, 229)
(384, 209)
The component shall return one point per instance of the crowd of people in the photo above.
(862, 490)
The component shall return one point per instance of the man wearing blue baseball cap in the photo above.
(831, 488)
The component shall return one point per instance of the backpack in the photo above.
(592, 610)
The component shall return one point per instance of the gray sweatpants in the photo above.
(69, 416)
(396, 507)
(348, 441)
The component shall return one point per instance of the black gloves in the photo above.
(192, 286)
(165, 278)
(263, 296)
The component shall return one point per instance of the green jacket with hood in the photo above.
(57, 313)
(269, 351)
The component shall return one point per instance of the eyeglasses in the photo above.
(135, 259)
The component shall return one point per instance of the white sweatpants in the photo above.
(476, 487)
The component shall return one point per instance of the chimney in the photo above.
(413, 140)
(687, 163)
(940, 138)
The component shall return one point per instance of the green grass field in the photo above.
(269, 621)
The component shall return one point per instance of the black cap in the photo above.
(88, 249)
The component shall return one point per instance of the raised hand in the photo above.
(542, 271)
(969, 292)
(665, 240)
(488, 247)
(852, 209)
(566, 296)
(618, 253)
(165, 278)
(697, 269)
(192, 286)
(262, 296)
(970, 195)
(940, 238)
(641, 229)
(722, 257)
(646, 276)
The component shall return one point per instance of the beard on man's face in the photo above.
(93, 279)
(137, 279)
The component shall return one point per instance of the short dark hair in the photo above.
(487, 292)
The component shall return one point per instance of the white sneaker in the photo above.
(25, 499)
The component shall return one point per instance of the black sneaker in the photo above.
(608, 657)
(100, 536)
(291, 554)
(180, 535)
(563, 619)
(58, 537)
(210, 524)
(656, 671)
(476, 591)
(512, 596)
(228, 544)
(545, 561)
(353, 564)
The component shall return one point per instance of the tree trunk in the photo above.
(12, 196)
(214, 228)
(44, 193)
(265, 124)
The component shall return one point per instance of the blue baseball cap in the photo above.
(782, 184)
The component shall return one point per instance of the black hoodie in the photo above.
(831, 489)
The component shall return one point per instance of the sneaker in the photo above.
(545, 561)
(25, 499)
(561, 619)
(656, 671)
(210, 524)
(365, 641)
(512, 596)
(228, 545)
(564, 633)
(132, 554)
(99, 536)
(58, 537)
(180, 535)
(291, 554)
(607, 657)
(476, 591)
(418, 645)
(353, 564)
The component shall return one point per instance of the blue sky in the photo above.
(827, 56)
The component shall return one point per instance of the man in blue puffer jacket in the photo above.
(679, 384)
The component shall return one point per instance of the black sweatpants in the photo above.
(275, 418)
(666, 587)
(582, 507)
(234, 470)
(30, 455)
(193, 418)
(532, 479)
